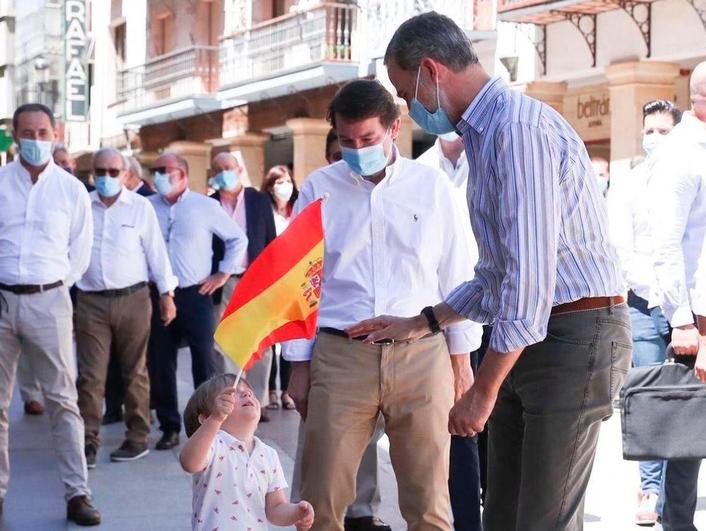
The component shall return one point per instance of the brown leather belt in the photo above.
(29, 289)
(588, 303)
(112, 293)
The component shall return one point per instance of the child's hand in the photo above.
(306, 516)
(225, 402)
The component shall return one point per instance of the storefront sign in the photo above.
(588, 110)
(76, 82)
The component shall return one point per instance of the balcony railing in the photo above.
(509, 5)
(326, 32)
(188, 72)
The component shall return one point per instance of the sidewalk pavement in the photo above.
(154, 494)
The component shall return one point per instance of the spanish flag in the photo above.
(278, 297)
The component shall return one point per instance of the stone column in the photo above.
(198, 155)
(631, 85)
(309, 137)
(250, 149)
(550, 92)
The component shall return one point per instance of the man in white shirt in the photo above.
(113, 308)
(188, 220)
(46, 233)
(392, 244)
(629, 216)
(678, 213)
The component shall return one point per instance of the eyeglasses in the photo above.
(162, 169)
(113, 172)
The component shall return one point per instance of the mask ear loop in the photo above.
(416, 88)
(438, 97)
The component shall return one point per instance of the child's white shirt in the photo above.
(230, 492)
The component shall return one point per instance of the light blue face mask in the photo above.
(449, 137)
(368, 160)
(162, 183)
(35, 152)
(108, 186)
(437, 122)
(226, 180)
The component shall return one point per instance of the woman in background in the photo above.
(282, 191)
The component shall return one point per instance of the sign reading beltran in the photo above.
(75, 48)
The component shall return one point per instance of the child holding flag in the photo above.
(238, 479)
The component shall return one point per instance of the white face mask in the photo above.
(651, 142)
(284, 190)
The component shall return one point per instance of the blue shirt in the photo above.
(188, 227)
(538, 217)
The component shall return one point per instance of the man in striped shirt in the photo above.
(547, 279)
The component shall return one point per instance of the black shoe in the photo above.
(169, 440)
(112, 417)
(34, 408)
(130, 451)
(91, 451)
(366, 523)
(80, 511)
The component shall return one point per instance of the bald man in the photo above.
(678, 214)
(252, 211)
(189, 221)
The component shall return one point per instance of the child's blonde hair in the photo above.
(201, 402)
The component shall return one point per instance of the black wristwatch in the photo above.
(428, 312)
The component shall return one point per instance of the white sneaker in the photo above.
(647, 510)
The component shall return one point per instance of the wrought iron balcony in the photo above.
(324, 33)
(184, 73)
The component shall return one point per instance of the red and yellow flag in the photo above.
(278, 297)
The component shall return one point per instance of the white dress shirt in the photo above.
(45, 229)
(458, 175)
(188, 227)
(391, 249)
(127, 246)
(678, 212)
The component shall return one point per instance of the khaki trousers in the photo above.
(30, 391)
(124, 323)
(411, 384)
(40, 327)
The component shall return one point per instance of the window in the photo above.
(164, 40)
(119, 34)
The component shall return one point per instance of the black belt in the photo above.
(341, 333)
(117, 292)
(29, 289)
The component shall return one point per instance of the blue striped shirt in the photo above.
(537, 215)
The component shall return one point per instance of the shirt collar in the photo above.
(50, 167)
(124, 197)
(232, 439)
(390, 169)
(179, 199)
(461, 157)
(695, 128)
(479, 112)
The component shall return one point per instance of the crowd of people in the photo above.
(575, 277)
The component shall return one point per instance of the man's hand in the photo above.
(224, 405)
(463, 375)
(306, 516)
(470, 414)
(212, 283)
(298, 388)
(685, 340)
(167, 308)
(389, 327)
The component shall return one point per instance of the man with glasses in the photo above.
(113, 304)
(46, 234)
(189, 221)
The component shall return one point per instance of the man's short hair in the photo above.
(430, 35)
(109, 151)
(32, 107)
(362, 99)
(58, 148)
(134, 166)
(201, 402)
(661, 106)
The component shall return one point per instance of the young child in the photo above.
(238, 479)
